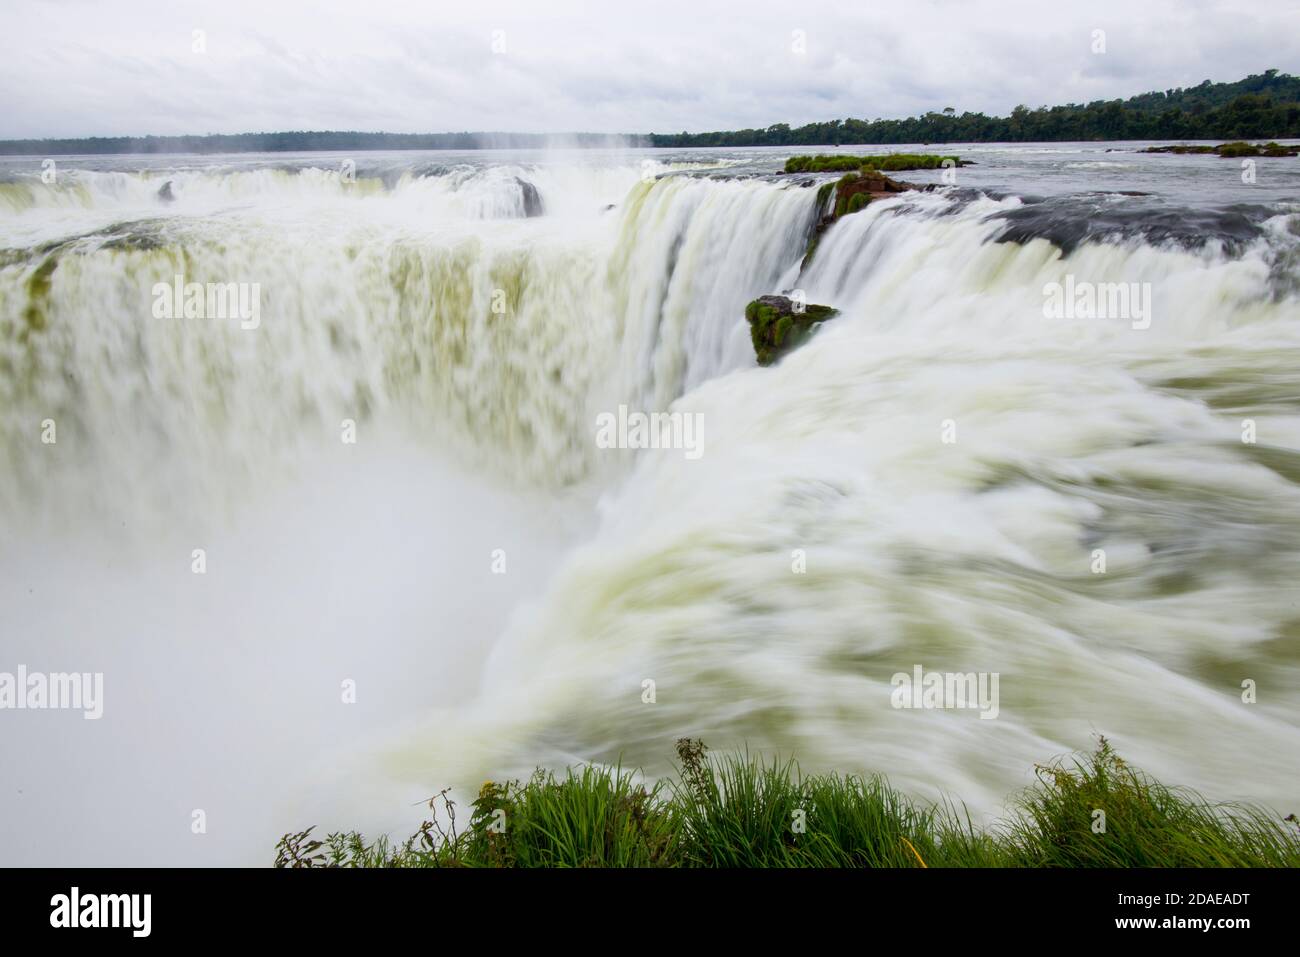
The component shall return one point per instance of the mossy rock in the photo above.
(778, 324)
(857, 201)
(853, 192)
(892, 162)
(1255, 149)
(39, 284)
(1236, 148)
(1181, 149)
(1277, 149)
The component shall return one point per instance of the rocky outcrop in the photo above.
(889, 162)
(853, 191)
(532, 198)
(778, 324)
(869, 185)
(1230, 150)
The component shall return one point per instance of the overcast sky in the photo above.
(130, 67)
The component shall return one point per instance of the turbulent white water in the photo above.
(474, 345)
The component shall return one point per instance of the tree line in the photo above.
(1264, 105)
(1261, 105)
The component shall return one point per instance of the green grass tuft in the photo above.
(1101, 812)
(742, 811)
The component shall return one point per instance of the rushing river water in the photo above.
(929, 481)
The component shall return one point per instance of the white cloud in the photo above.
(73, 68)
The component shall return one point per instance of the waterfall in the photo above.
(929, 480)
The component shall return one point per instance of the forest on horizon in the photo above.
(1264, 105)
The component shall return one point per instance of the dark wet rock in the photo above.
(532, 198)
(165, 194)
(39, 284)
(1229, 150)
(778, 324)
(1068, 221)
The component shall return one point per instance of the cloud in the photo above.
(76, 68)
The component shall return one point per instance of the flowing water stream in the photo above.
(942, 463)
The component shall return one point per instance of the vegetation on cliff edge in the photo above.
(742, 811)
(890, 163)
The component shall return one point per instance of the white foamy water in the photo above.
(473, 346)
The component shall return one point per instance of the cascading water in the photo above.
(943, 459)
(514, 333)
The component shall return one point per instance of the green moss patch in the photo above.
(889, 163)
(1228, 150)
(778, 324)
